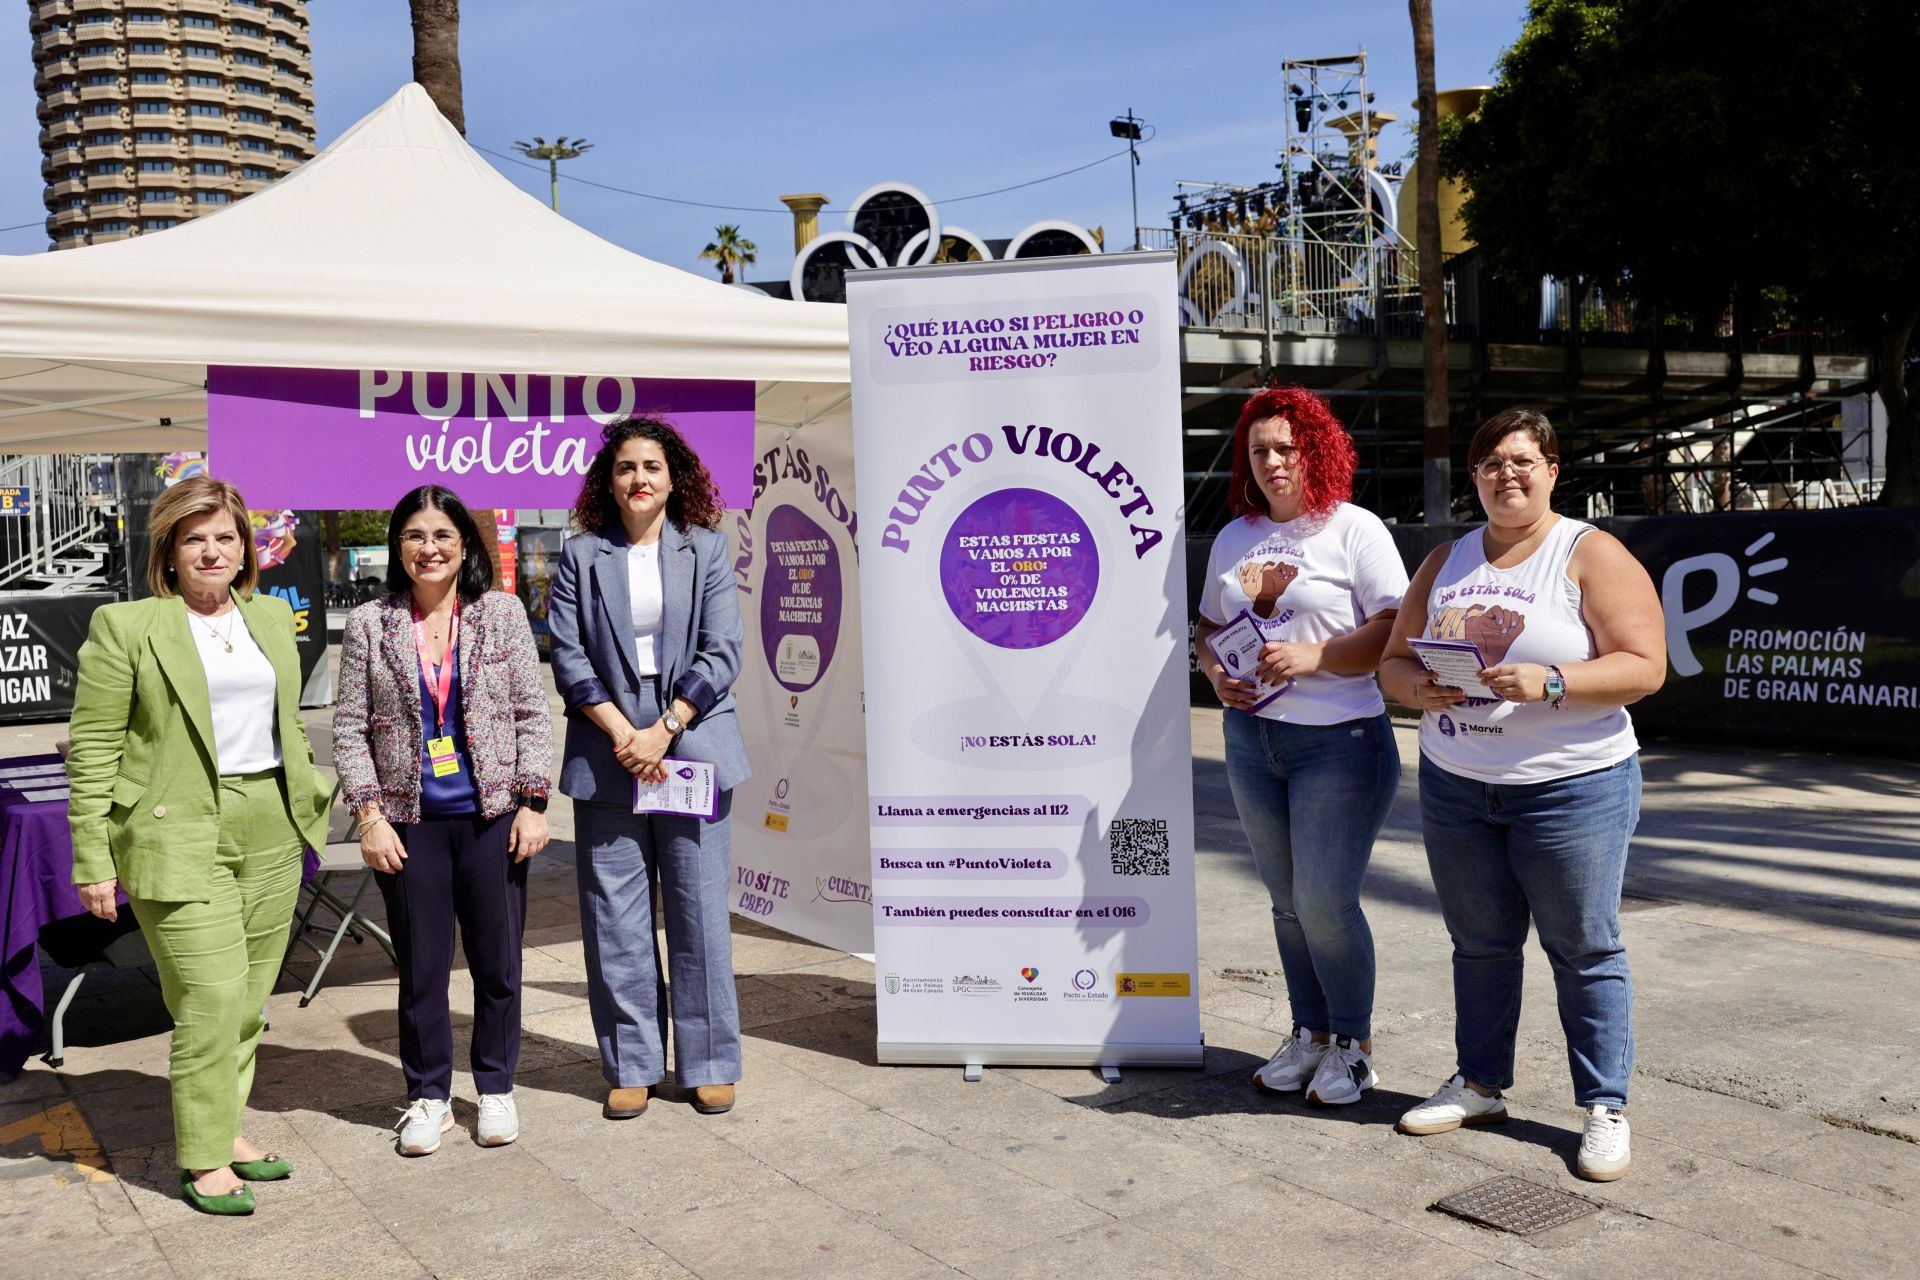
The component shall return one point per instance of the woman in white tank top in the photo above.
(1528, 798)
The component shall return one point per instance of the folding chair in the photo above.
(87, 945)
(340, 884)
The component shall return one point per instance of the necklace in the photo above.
(226, 639)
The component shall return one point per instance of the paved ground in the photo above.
(1774, 929)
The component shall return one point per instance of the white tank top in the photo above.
(1529, 613)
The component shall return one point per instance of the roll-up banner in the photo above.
(1022, 562)
(287, 546)
(293, 567)
(799, 823)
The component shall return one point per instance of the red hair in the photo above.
(1327, 456)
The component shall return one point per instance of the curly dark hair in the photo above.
(694, 502)
(1327, 456)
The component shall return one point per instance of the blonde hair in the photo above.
(198, 496)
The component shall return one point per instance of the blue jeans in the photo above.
(1555, 851)
(1311, 798)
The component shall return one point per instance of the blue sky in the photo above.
(738, 104)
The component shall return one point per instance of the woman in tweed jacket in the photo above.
(444, 745)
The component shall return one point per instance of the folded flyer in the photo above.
(690, 790)
(1238, 645)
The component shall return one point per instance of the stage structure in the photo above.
(1311, 277)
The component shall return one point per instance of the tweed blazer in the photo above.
(590, 615)
(503, 701)
(145, 804)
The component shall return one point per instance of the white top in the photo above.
(242, 687)
(644, 590)
(1309, 579)
(1529, 613)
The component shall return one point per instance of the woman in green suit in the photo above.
(194, 793)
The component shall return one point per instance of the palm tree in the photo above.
(729, 249)
(561, 148)
(1436, 440)
(436, 68)
(436, 56)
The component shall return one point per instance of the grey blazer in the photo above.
(590, 614)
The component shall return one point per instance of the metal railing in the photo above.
(59, 517)
(1305, 283)
(1315, 280)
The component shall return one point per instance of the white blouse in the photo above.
(242, 686)
(648, 597)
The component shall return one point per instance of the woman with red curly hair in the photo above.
(646, 645)
(1310, 752)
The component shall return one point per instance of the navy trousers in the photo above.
(458, 870)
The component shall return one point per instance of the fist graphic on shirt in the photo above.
(1491, 631)
(1265, 583)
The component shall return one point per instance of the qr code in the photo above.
(1139, 847)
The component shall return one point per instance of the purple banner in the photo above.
(358, 439)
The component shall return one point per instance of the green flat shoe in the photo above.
(269, 1168)
(237, 1201)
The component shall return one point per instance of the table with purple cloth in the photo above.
(36, 889)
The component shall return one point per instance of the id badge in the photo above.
(441, 755)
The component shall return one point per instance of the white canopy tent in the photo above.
(397, 247)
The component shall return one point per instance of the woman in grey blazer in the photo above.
(646, 645)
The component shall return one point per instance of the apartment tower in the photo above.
(156, 111)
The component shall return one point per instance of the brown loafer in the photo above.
(712, 1099)
(625, 1104)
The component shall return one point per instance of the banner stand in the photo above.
(1023, 575)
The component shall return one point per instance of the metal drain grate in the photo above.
(1516, 1205)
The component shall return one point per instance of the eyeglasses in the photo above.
(1493, 468)
(444, 539)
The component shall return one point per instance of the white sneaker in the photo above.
(1606, 1147)
(422, 1124)
(1292, 1064)
(1453, 1106)
(499, 1120)
(1343, 1075)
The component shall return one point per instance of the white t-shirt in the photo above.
(1309, 579)
(644, 590)
(242, 689)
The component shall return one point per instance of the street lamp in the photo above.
(1128, 127)
(561, 148)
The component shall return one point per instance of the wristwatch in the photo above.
(672, 722)
(536, 803)
(1556, 687)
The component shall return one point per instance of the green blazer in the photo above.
(146, 786)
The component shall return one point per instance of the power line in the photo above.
(1049, 178)
(742, 208)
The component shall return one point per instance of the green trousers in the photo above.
(218, 960)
